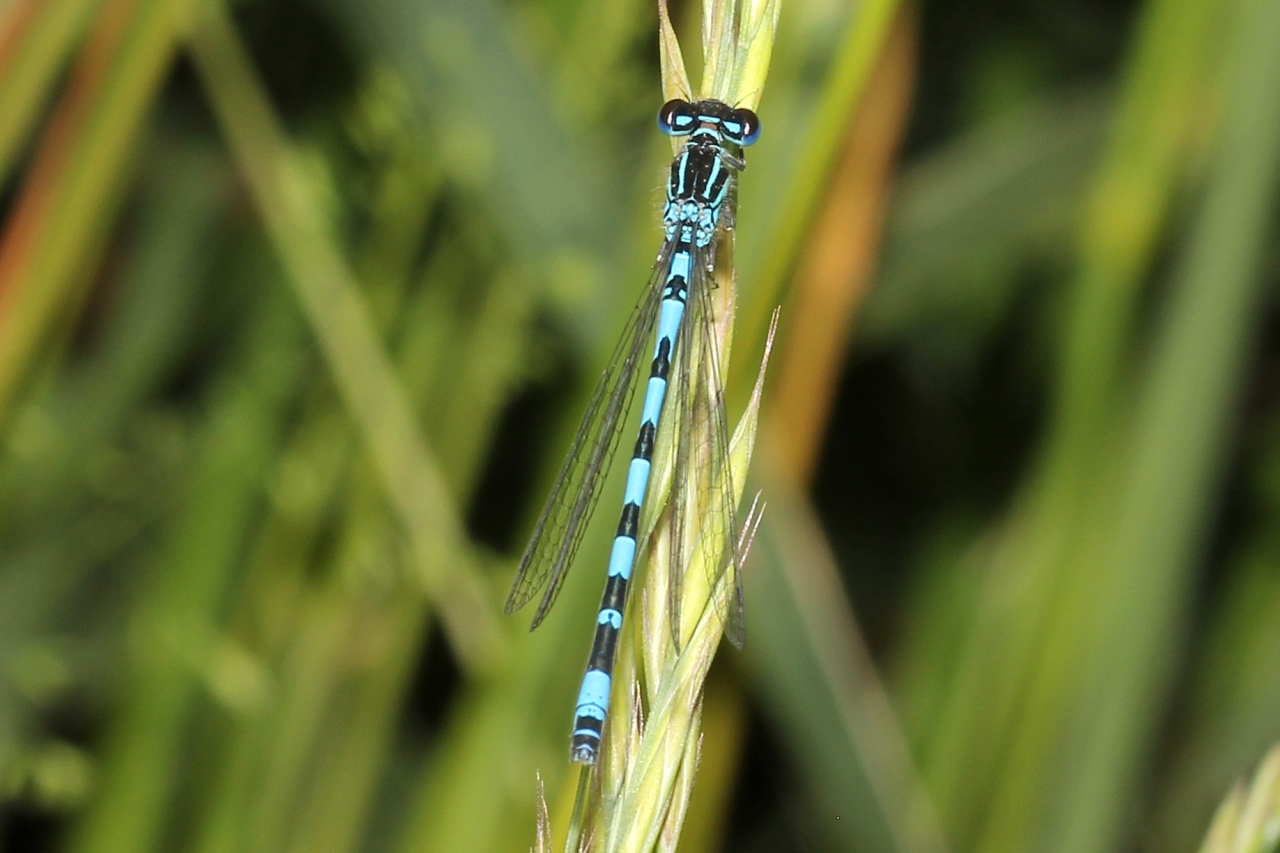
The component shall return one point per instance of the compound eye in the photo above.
(749, 123)
(676, 118)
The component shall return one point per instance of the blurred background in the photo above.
(301, 300)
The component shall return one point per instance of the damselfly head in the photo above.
(681, 118)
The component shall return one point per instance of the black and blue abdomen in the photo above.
(696, 193)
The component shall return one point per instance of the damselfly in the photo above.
(699, 206)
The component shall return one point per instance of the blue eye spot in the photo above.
(675, 118)
(748, 127)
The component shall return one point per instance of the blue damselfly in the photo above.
(698, 211)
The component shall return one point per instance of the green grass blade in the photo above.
(74, 182)
(174, 625)
(340, 318)
(36, 38)
(988, 755)
(1181, 427)
(965, 215)
(1233, 700)
(1248, 821)
(807, 656)
(767, 262)
(477, 95)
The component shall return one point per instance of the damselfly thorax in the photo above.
(702, 173)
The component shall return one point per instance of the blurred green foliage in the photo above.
(300, 300)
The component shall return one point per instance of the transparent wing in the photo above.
(719, 541)
(702, 494)
(573, 498)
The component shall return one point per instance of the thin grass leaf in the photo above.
(338, 314)
(542, 843)
(805, 640)
(754, 51)
(74, 182)
(1018, 664)
(174, 630)
(675, 79)
(36, 39)
(471, 87)
(1248, 821)
(1178, 442)
(719, 24)
(1010, 189)
(767, 265)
